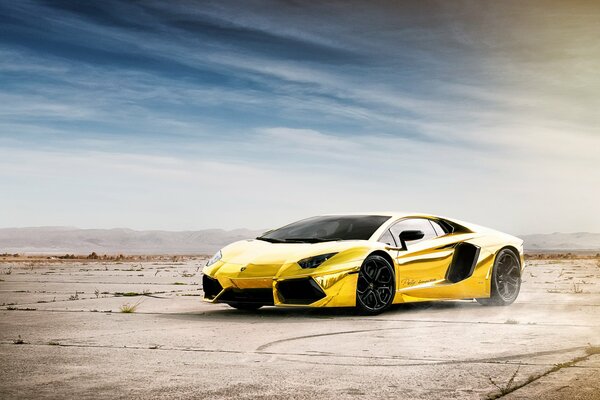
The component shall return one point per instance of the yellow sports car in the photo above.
(368, 261)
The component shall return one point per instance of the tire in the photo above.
(245, 306)
(506, 280)
(376, 286)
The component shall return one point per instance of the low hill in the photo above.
(61, 240)
(579, 241)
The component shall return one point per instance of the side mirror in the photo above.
(408, 236)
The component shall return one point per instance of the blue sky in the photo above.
(190, 115)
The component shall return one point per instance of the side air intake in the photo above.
(463, 262)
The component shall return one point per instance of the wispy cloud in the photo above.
(263, 107)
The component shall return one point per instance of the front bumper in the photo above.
(215, 293)
(328, 288)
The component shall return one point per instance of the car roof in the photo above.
(394, 214)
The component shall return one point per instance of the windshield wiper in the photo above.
(312, 240)
(270, 240)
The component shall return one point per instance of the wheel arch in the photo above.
(491, 300)
(490, 269)
(513, 249)
(361, 306)
(384, 255)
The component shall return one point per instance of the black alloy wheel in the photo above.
(506, 280)
(376, 285)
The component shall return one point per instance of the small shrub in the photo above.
(19, 340)
(126, 294)
(507, 388)
(75, 296)
(592, 350)
(129, 308)
(67, 257)
(511, 322)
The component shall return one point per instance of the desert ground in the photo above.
(63, 334)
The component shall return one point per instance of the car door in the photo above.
(423, 261)
(422, 268)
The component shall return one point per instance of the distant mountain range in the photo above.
(63, 240)
(578, 241)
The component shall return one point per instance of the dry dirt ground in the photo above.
(62, 335)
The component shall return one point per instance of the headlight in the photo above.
(214, 258)
(314, 262)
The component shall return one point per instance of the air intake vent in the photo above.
(463, 262)
(299, 291)
(211, 287)
(247, 296)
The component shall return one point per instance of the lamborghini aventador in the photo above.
(367, 261)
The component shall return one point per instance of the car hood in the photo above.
(260, 252)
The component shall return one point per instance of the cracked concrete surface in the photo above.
(78, 344)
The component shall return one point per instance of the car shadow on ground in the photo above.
(281, 313)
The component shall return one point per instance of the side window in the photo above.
(417, 224)
(387, 238)
(438, 229)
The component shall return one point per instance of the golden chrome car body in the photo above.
(420, 271)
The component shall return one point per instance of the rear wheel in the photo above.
(245, 306)
(376, 286)
(506, 280)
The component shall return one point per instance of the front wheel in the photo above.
(506, 280)
(376, 286)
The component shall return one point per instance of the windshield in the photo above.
(327, 228)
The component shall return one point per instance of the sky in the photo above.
(186, 115)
